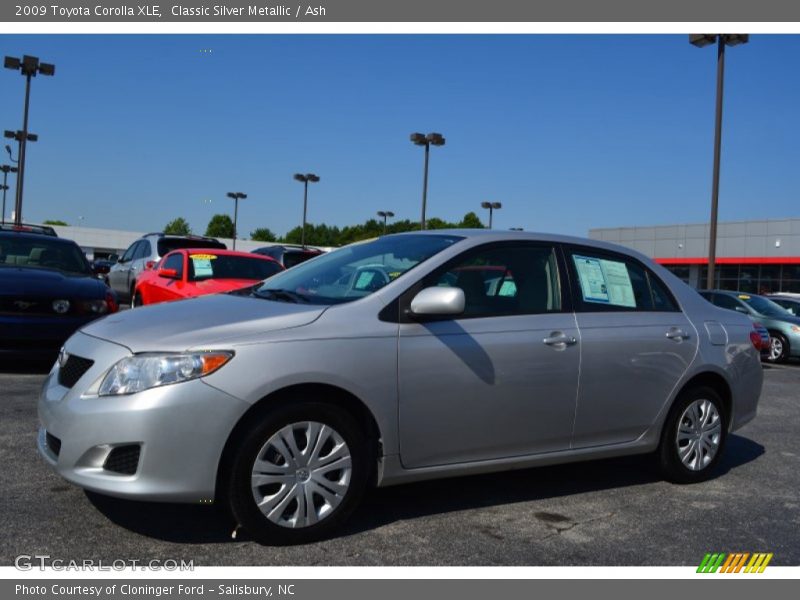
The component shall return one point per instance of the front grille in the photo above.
(34, 306)
(123, 459)
(73, 370)
(53, 443)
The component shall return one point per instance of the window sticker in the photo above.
(202, 265)
(604, 281)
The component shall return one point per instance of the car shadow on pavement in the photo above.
(199, 524)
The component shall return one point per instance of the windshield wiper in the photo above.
(282, 295)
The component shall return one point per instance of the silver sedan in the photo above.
(413, 356)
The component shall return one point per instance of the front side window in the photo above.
(504, 280)
(615, 282)
(354, 271)
(174, 261)
(128, 256)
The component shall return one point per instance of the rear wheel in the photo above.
(778, 347)
(298, 473)
(693, 437)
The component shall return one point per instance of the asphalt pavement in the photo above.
(611, 512)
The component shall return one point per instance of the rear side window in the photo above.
(725, 301)
(613, 282)
(143, 251)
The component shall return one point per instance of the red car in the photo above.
(191, 272)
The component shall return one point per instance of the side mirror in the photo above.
(168, 273)
(438, 301)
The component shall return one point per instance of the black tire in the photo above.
(778, 348)
(136, 301)
(670, 463)
(237, 483)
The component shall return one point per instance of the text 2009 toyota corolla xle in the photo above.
(413, 356)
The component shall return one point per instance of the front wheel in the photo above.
(693, 437)
(778, 348)
(298, 473)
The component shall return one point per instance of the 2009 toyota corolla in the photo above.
(413, 356)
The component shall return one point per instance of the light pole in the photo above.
(385, 214)
(6, 169)
(432, 139)
(492, 206)
(29, 66)
(305, 179)
(722, 40)
(236, 197)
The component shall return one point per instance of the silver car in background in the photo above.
(413, 356)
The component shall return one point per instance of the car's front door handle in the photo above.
(559, 339)
(678, 334)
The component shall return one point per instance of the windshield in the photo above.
(224, 266)
(765, 307)
(43, 253)
(354, 271)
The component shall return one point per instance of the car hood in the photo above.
(199, 323)
(21, 281)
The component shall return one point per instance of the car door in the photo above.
(118, 275)
(500, 380)
(140, 257)
(636, 344)
(168, 289)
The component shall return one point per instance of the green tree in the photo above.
(220, 226)
(178, 226)
(263, 234)
(471, 221)
(55, 222)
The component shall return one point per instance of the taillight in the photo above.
(755, 338)
(111, 302)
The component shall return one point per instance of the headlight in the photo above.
(145, 371)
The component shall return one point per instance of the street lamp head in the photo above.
(312, 178)
(241, 195)
(11, 135)
(30, 64)
(496, 205)
(231, 195)
(32, 137)
(389, 214)
(486, 205)
(11, 62)
(299, 177)
(435, 139)
(418, 139)
(47, 69)
(736, 39)
(701, 40)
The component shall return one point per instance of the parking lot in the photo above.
(612, 512)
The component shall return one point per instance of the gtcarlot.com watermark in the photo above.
(42, 562)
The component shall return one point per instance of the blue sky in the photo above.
(569, 132)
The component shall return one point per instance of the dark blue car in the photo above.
(47, 291)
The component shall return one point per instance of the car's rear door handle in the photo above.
(675, 333)
(559, 339)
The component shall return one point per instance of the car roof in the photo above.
(24, 235)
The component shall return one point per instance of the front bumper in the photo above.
(36, 336)
(180, 431)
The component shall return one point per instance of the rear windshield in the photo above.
(167, 245)
(295, 257)
(213, 266)
(43, 253)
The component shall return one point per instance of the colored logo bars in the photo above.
(734, 563)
